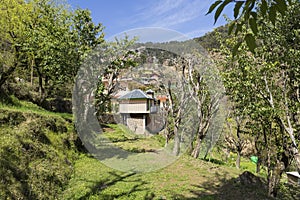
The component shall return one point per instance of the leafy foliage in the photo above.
(47, 43)
(245, 13)
(261, 86)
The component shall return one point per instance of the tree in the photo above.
(238, 136)
(264, 87)
(46, 39)
(245, 13)
(13, 16)
(59, 42)
(119, 58)
(206, 91)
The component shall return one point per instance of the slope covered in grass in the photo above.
(36, 152)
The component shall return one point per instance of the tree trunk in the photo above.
(206, 152)
(202, 129)
(196, 151)
(275, 179)
(31, 73)
(167, 141)
(238, 160)
(4, 76)
(176, 148)
(258, 165)
(239, 144)
(41, 89)
(190, 145)
(297, 158)
(269, 173)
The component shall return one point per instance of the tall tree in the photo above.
(265, 85)
(46, 38)
(59, 42)
(13, 16)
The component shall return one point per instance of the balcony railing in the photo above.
(137, 108)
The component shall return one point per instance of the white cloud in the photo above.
(186, 16)
(160, 8)
(170, 13)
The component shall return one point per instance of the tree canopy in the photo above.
(245, 13)
(47, 40)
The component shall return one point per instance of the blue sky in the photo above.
(185, 16)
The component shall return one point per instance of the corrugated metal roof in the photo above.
(135, 94)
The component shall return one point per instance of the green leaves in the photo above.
(220, 9)
(264, 7)
(245, 13)
(252, 23)
(236, 47)
(272, 14)
(237, 8)
(219, 5)
(281, 6)
(250, 41)
(213, 6)
(230, 28)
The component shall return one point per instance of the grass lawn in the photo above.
(186, 178)
(122, 137)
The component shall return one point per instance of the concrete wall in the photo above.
(136, 123)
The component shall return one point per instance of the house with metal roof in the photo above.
(136, 108)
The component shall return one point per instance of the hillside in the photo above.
(37, 151)
(211, 40)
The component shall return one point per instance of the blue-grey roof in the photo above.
(135, 94)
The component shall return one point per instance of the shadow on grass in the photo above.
(213, 160)
(223, 188)
(138, 186)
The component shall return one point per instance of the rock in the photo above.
(247, 178)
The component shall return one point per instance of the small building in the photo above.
(163, 101)
(135, 109)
